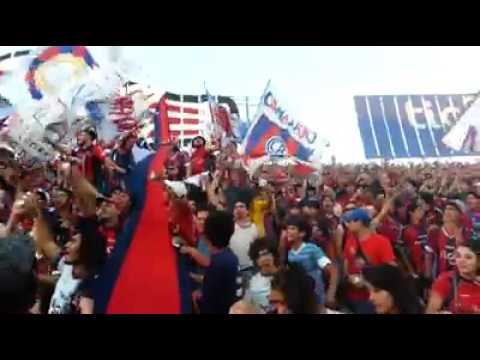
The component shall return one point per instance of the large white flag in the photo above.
(465, 134)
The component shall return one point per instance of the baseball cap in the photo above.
(457, 204)
(358, 214)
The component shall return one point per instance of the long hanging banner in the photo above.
(417, 126)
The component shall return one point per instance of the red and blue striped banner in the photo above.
(144, 274)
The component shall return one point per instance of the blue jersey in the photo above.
(313, 260)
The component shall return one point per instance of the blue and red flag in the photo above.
(50, 54)
(267, 138)
(144, 274)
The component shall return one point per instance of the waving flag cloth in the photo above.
(191, 115)
(221, 120)
(144, 274)
(465, 134)
(6, 109)
(9, 63)
(45, 68)
(14, 61)
(274, 134)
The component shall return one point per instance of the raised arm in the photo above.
(26, 205)
(196, 255)
(82, 189)
(387, 206)
(215, 198)
(44, 239)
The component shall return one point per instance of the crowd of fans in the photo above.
(363, 239)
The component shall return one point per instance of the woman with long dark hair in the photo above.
(418, 253)
(391, 292)
(292, 292)
(458, 291)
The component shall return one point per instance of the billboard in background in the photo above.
(409, 126)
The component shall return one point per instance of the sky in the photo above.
(317, 83)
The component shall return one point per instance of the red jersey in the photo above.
(89, 159)
(390, 229)
(376, 248)
(27, 224)
(466, 298)
(323, 234)
(43, 266)
(444, 246)
(344, 199)
(415, 238)
(199, 158)
(110, 237)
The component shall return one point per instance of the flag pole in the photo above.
(257, 113)
(259, 105)
(213, 125)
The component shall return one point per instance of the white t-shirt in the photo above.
(240, 243)
(259, 290)
(65, 289)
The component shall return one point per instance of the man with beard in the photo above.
(199, 156)
(90, 156)
(176, 164)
